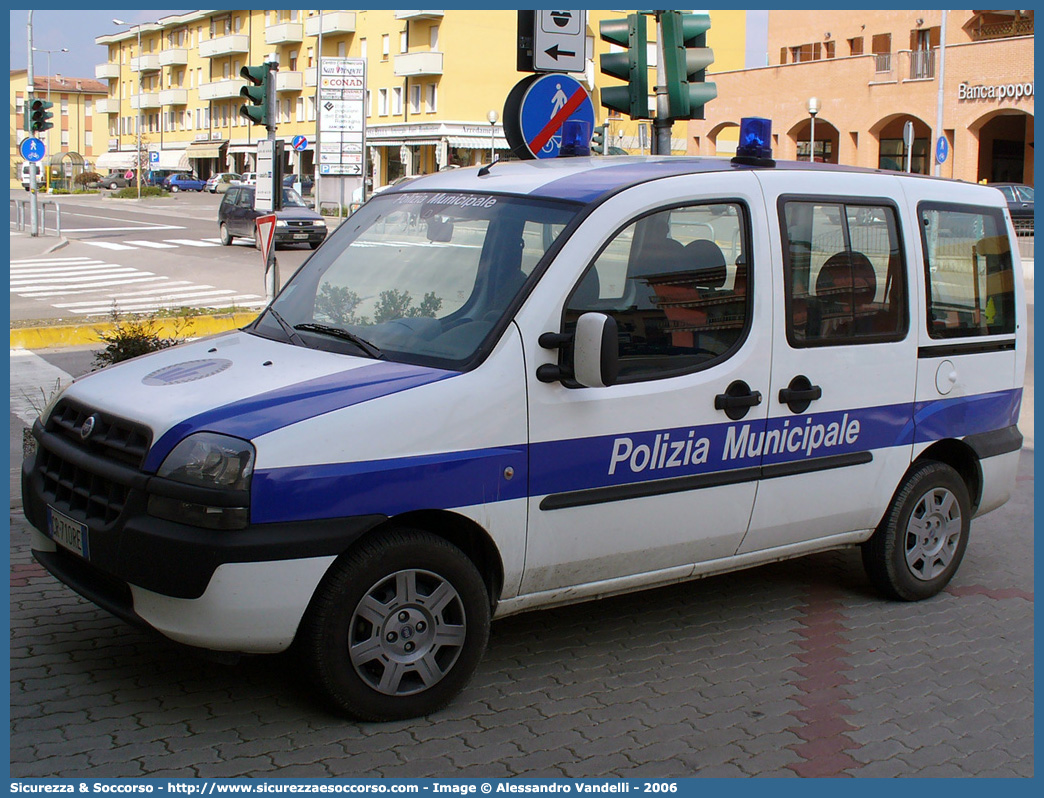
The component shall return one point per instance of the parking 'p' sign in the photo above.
(537, 109)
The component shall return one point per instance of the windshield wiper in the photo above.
(295, 339)
(338, 332)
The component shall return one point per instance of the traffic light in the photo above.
(259, 112)
(685, 60)
(598, 139)
(38, 116)
(631, 65)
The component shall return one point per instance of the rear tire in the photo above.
(397, 627)
(226, 237)
(174, 189)
(921, 540)
(113, 186)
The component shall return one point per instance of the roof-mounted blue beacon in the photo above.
(755, 142)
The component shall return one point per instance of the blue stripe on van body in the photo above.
(389, 487)
(267, 412)
(462, 479)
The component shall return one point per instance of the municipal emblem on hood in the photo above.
(88, 427)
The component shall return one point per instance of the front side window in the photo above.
(677, 284)
(427, 278)
(968, 265)
(843, 273)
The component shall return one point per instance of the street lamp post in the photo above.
(813, 109)
(137, 117)
(50, 77)
(492, 116)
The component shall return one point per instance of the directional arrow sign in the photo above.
(558, 41)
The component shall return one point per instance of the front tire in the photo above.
(921, 540)
(397, 628)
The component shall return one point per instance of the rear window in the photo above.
(969, 271)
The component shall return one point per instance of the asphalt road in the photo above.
(162, 252)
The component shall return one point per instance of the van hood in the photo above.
(238, 384)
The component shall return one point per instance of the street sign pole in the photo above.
(34, 229)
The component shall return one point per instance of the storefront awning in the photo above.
(205, 149)
(172, 159)
(114, 160)
(476, 142)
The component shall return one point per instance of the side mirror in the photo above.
(596, 352)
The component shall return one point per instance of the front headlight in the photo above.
(281, 223)
(211, 461)
(214, 463)
(319, 223)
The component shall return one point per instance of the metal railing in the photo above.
(883, 62)
(922, 64)
(23, 215)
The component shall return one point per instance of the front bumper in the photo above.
(203, 587)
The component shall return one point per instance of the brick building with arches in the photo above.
(872, 72)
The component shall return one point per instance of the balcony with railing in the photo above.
(231, 44)
(284, 33)
(419, 14)
(333, 22)
(107, 71)
(922, 64)
(145, 63)
(1017, 26)
(173, 97)
(149, 99)
(176, 56)
(421, 63)
(289, 80)
(220, 89)
(882, 64)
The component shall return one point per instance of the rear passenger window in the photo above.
(676, 283)
(971, 283)
(844, 276)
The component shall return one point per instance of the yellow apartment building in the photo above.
(872, 73)
(78, 135)
(432, 77)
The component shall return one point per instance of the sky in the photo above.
(52, 31)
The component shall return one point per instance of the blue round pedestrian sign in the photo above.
(538, 109)
(299, 143)
(32, 149)
(942, 149)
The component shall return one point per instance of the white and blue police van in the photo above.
(537, 383)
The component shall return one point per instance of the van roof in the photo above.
(588, 179)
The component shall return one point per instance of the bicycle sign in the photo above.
(538, 107)
(32, 149)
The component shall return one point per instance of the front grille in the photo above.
(112, 439)
(299, 223)
(79, 490)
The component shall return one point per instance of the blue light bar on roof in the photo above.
(576, 138)
(755, 138)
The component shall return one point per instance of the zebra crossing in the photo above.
(87, 286)
(170, 243)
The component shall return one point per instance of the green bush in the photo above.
(131, 192)
(135, 335)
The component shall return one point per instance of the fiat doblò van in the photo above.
(536, 383)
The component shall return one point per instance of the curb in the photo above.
(62, 335)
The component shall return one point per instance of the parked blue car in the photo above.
(184, 182)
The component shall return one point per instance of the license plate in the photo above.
(68, 533)
(300, 235)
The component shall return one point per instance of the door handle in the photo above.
(737, 400)
(800, 394)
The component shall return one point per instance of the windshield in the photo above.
(421, 277)
(291, 199)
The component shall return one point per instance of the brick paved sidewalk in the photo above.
(794, 669)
